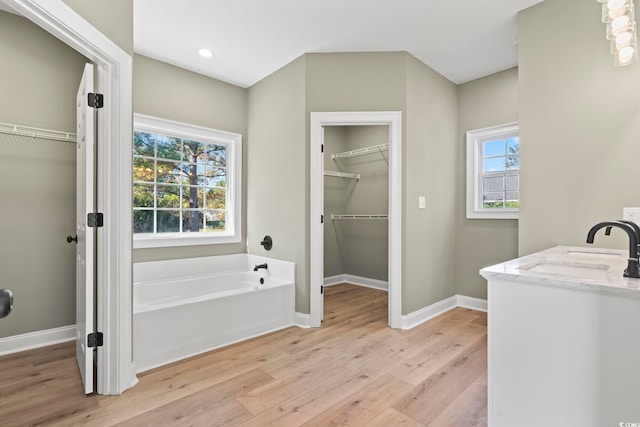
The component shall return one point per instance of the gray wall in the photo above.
(277, 161)
(334, 82)
(113, 18)
(169, 92)
(571, 120)
(358, 247)
(40, 78)
(488, 101)
(430, 171)
(579, 124)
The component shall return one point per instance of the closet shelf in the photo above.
(342, 174)
(361, 151)
(37, 132)
(334, 217)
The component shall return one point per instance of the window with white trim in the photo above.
(186, 184)
(493, 172)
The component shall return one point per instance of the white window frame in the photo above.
(233, 141)
(475, 138)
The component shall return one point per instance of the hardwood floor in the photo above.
(353, 371)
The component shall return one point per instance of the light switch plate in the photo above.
(631, 214)
(422, 202)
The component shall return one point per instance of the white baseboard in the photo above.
(356, 280)
(472, 303)
(302, 320)
(17, 343)
(427, 313)
(424, 314)
(333, 280)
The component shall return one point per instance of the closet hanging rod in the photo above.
(361, 151)
(37, 132)
(333, 217)
(342, 174)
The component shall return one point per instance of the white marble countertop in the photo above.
(580, 268)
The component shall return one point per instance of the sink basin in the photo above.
(592, 254)
(585, 271)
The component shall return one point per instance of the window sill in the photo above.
(169, 240)
(512, 214)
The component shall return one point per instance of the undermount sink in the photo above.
(592, 254)
(591, 271)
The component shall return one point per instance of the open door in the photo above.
(324, 220)
(85, 241)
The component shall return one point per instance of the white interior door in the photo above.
(85, 322)
(325, 219)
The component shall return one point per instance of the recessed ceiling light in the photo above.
(205, 53)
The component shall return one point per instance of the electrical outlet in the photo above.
(631, 214)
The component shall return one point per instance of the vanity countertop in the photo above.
(571, 267)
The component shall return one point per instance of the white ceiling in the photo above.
(250, 39)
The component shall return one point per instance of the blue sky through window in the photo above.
(498, 153)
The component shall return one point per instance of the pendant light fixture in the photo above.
(621, 30)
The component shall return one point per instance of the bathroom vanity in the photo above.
(564, 340)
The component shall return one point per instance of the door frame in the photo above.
(115, 372)
(318, 120)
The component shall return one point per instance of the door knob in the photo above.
(72, 239)
(6, 302)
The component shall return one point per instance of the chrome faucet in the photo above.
(259, 266)
(632, 232)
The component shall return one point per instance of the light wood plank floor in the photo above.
(353, 371)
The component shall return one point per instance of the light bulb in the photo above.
(614, 13)
(626, 38)
(624, 60)
(620, 22)
(615, 8)
(623, 38)
(625, 52)
(615, 4)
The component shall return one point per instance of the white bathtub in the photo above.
(189, 306)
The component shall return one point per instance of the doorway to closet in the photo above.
(355, 205)
(116, 371)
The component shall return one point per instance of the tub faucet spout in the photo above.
(259, 266)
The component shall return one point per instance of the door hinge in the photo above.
(321, 219)
(321, 289)
(95, 219)
(96, 100)
(95, 339)
(322, 148)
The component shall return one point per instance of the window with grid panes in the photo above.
(493, 166)
(186, 184)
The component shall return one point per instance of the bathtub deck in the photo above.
(354, 370)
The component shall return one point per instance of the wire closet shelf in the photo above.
(342, 174)
(12, 129)
(345, 216)
(361, 151)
